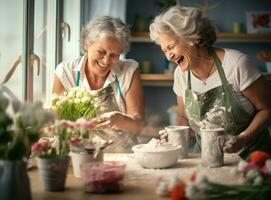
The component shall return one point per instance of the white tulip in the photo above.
(258, 180)
(85, 99)
(76, 101)
(193, 192)
(79, 94)
(241, 166)
(202, 181)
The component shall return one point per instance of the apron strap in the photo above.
(78, 78)
(189, 80)
(212, 53)
(218, 66)
(119, 88)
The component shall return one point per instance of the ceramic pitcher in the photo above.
(212, 141)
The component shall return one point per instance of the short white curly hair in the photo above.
(184, 22)
(105, 26)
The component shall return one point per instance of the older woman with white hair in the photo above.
(115, 82)
(215, 87)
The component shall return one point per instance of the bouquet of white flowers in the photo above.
(75, 104)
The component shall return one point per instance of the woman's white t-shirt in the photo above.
(238, 69)
(124, 70)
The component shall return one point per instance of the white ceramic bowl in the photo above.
(156, 159)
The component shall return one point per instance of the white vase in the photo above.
(14, 181)
(79, 158)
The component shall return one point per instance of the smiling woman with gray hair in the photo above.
(220, 87)
(115, 83)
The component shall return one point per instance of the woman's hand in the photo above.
(163, 134)
(235, 144)
(107, 120)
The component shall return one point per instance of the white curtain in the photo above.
(94, 8)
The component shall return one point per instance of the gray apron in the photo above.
(105, 98)
(221, 103)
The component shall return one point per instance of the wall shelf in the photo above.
(221, 37)
(167, 79)
(157, 79)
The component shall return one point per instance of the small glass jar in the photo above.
(103, 177)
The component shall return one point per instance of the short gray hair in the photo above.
(184, 22)
(105, 26)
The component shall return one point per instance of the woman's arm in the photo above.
(133, 121)
(58, 88)
(181, 120)
(259, 95)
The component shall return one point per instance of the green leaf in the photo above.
(17, 151)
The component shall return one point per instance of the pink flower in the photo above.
(41, 147)
(264, 170)
(76, 141)
(249, 167)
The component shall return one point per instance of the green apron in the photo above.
(226, 112)
(105, 98)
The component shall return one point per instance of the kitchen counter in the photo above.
(139, 183)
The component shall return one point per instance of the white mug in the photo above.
(178, 135)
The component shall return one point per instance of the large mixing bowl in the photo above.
(156, 159)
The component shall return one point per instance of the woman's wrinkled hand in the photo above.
(234, 144)
(107, 120)
(163, 134)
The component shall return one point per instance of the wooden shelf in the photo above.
(221, 37)
(244, 37)
(157, 79)
(167, 79)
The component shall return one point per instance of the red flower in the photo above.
(193, 177)
(258, 158)
(178, 192)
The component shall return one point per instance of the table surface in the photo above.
(139, 183)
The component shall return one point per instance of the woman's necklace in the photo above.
(204, 81)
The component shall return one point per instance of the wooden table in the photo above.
(139, 183)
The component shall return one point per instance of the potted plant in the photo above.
(85, 145)
(17, 134)
(52, 156)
